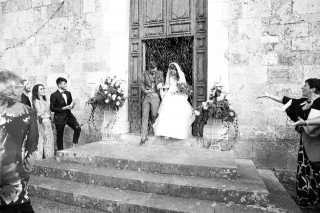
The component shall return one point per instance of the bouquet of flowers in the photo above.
(109, 94)
(184, 89)
(219, 108)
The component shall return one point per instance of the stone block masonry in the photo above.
(74, 42)
(269, 45)
(273, 46)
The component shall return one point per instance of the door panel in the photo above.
(180, 9)
(153, 11)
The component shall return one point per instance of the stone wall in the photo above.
(274, 46)
(84, 41)
(253, 45)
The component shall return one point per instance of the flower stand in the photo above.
(109, 119)
(213, 132)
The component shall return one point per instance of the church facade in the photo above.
(249, 46)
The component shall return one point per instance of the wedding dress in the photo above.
(175, 112)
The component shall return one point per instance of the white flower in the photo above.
(230, 107)
(116, 84)
(107, 101)
(204, 103)
(109, 80)
(205, 107)
(105, 92)
(119, 98)
(119, 90)
(118, 103)
(210, 101)
(114, 97)
(220, 98)
(104, 87)
(231, 114)
(196, 112)
(109, 95)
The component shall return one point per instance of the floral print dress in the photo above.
(18, 144)
(308, 172)
(46, 140)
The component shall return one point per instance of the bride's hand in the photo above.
(165, 87)
(264, 95)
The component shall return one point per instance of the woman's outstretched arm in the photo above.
(309, 122)
(272, 97)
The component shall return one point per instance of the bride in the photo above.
(175, 112)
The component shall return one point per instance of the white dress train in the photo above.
(175, 114)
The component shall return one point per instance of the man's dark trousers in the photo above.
(73, 123)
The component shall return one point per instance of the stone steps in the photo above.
(105, 199)
(174, 160)
(123, 177)
(279, 197)
(248, 190)
(47, 206)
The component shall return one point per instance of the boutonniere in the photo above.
(306, 105)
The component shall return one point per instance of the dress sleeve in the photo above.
(37, 107)
(294, 110)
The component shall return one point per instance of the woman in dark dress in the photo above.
(308, 168)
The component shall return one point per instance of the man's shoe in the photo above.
(143, 141)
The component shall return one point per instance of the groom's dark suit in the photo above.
(63, 117)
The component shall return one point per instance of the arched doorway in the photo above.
(167, 22)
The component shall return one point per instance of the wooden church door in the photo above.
(156, 19)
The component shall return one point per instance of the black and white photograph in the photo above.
(160, 106)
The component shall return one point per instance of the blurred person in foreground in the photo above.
(18, 145)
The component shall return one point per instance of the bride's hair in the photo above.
(173, 67)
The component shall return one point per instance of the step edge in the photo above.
(223, 181)
(214, 204)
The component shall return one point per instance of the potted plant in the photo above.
(109, 96)
(216, 117)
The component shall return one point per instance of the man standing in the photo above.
(151, 81)
(25, 99)
(61, 104)
(18, 145)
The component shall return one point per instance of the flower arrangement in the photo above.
(108, 95)
(184, 89)
(218, 107)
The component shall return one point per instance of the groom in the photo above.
(61, 104)
(151, 82)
